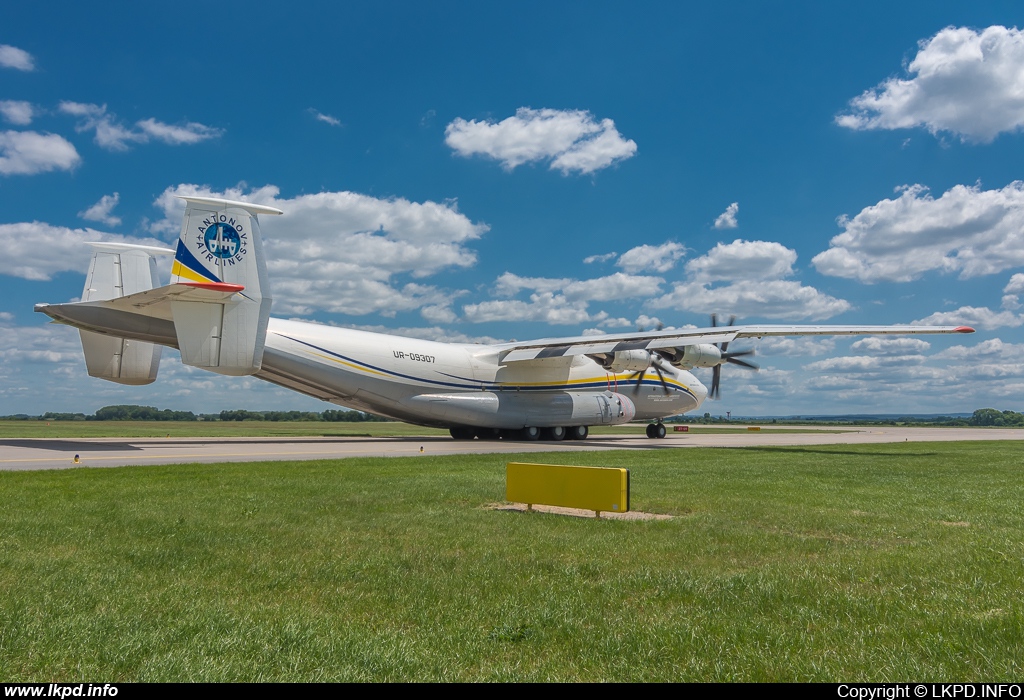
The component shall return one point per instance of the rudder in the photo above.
(220, 248)
(117, 270)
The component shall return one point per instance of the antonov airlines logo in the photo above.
(221, 237)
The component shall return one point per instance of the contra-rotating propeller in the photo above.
(730, 357)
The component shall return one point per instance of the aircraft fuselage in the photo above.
(451, 384)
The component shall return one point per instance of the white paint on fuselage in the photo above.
(381, 373)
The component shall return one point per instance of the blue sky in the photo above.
(468, 172)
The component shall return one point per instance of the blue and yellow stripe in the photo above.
(187, 267)
(627, 381)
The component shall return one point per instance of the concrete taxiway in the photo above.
(41, 453)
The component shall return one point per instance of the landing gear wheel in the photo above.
(462, 433)
(556, 433)
(577, 432)
(488, 433)
(656, 430)
(530, 433)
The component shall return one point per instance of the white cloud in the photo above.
(37, 251)
(1015, 285)
(648, 322)
(643, 322)
(967, 229)
(13, 57)
(187, 133)
(961, 81)
(569, 140)
(30, 152)
(45, 344)
(752, 271)
(743, 260)
(654, 258)
(982, 318)
(599, 258)
(864, 363)
(991, 350)
(326, 118)
(339, 251)
(439, 313)
(545, 307)
(795, 347)
(959, 378)
(114, 136)
(101, 210)
(17, 112)
(777, 299)
(1013, 288)
(727, 219)
(877, 345)
(608, 288)
(561, 301)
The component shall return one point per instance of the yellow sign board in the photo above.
(600, 489)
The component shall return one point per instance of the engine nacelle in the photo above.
(627, 361)
(703, 355)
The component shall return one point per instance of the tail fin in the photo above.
(117, 270)
(220, 249)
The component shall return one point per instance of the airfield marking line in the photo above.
(83, 460)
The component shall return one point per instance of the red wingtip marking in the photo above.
(215, 286)
(963, 329)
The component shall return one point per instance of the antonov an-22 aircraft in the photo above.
(216, 312)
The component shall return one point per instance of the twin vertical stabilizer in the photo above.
(220, 249)
(118, 270)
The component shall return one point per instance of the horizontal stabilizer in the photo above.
(157, 302)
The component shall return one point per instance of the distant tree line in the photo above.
(149, 413)
(990, 416)
(983, 417)
(331, 416)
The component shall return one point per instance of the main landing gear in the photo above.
(527, 434)
(656, 430)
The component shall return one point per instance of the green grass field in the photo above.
(868, 563)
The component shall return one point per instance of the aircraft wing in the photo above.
(656, 340)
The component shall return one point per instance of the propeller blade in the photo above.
(661, 377)
(639, 379)
(743, 363)
(730, 357)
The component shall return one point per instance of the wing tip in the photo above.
(963, 329)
